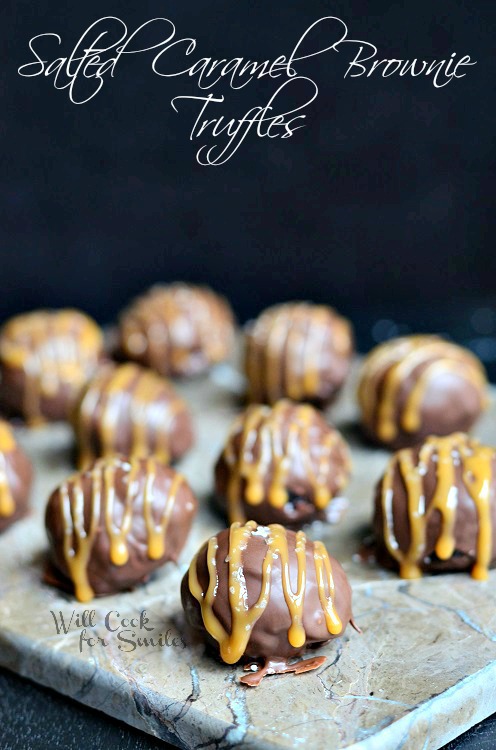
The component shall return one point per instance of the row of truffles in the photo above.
(409, 388)
(435, 506)
(260, 594)
(47, 356)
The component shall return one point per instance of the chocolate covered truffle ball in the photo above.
(178, 330)
(416, 386)
(282, 464)
(298, 351)
(45, 358)
(16, 476)
(266, 594)
(435, 508)
(112, 525)
(131, 410)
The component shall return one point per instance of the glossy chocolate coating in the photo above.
(135, 485)
(268, 640)
(131, 410)
(291, 456)
(417, 386)
(16, 476)
(454, 472)
(299, 351)
(45, 358)
(179, 330)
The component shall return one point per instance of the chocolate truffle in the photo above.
(435, 508)
(45, 358)
(417, 386)
(178, 330)
(16, 476)
(282, 464)
(298, 351)
(110, 526)
(266, 594)
(128, 409)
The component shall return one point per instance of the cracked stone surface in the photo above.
(422, 672)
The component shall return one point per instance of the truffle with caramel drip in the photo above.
(416, 386)
(16, 475)
(46, 356)
(282, 464)
(110, 526)
(178, 330)
(131, 410)
(266, 594)
(299, 351)
(435, 508)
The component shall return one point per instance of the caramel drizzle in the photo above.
(50, 350)
(157, 531)
(150, 395)
(398, 359)
(79, 540)
(7, 445)
(243, 618)
(264, 449)
(287, 343)
(476, 461)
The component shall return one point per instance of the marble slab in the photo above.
(422, 672)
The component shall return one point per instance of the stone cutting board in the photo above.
(422, 672)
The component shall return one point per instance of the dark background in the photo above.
(383, 205)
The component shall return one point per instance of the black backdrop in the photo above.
(383, 205)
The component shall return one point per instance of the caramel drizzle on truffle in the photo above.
(476, 465)
(398, 359)
(149, 394)
(157, 531)
(202, 317)
(284, 353)
(264, 449)
(7, 445)
(50, 348)
(79, 538)
(243, 618)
